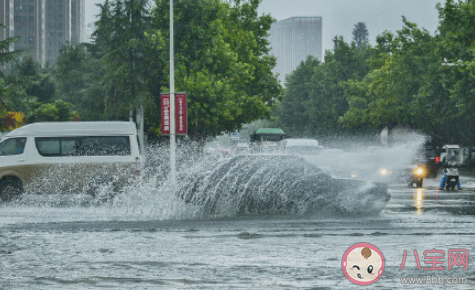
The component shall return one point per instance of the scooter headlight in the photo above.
(419, 171)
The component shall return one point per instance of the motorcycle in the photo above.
(417, 176)
(452, 177)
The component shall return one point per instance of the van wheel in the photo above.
(10, 190)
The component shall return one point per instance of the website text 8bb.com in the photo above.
(433, 280)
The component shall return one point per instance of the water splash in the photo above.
(276, 184)
(210, 188)
(368, 162)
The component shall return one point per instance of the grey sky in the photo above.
(339, 16)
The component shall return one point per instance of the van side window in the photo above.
(68, 147)
(83, 146)
(48, 146)
(12, 146)
(104, 146)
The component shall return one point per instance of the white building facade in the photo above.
(43, 25)
(292, 40)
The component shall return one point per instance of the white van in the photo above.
(67, 157)
(306, 146)
(451, 150)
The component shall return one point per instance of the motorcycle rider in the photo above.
(450, 163)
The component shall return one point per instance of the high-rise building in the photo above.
(58, 26)
(43, 25)
(6, 15)
(78, 20)
(28, 24)
(293, 40)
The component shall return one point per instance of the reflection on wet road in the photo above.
(429, 200)
(132, 246)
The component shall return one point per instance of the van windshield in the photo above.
(12, 146)
(83, 146)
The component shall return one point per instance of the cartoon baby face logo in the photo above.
(363, 264)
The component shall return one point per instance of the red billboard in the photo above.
(181, 126)
(181, 114)
(165, 104)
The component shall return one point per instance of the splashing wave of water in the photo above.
(273, 184)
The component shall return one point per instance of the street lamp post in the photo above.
(172, 103)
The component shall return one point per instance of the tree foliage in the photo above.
(360, 34)
(409, 78)
(456, 45)
(59, 111)
(78, 74)
(314, 98)
(27, 87)
(120, 38)
(6, 54)
(386, 95)
(222, 62)
(293, 113)
(221, 56)
(7, 91)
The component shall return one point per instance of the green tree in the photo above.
(7, 91)
(360, 35)
(222, 62)
(401, 81)
(294, 112)
(345, 62)
(15, 86)
(456, 41)
(409, 85)
(79, 77)
(37, 82)
(6, 98)
(315, 92)
(120, 37)
(72, 70)
(6, 54)
(250, 40)
(58, 111)
(391, 93)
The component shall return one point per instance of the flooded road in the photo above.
(151, 244)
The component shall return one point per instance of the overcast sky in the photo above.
(339, 16)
